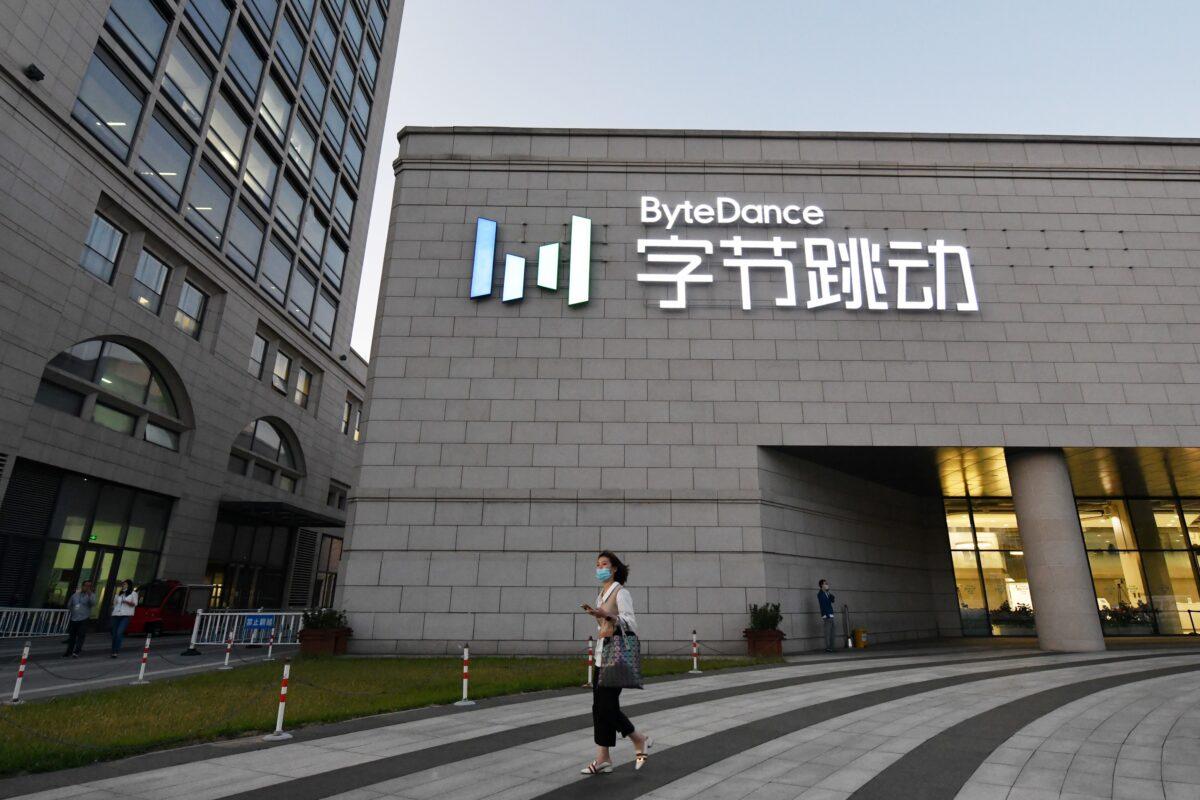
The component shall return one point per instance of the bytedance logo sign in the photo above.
(848, 274)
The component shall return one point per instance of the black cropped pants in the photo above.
(607, 718)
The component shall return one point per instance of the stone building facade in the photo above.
(739, 445)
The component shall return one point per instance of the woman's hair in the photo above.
(127, 585)
(620, 571)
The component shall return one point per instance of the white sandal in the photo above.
(595, 768)
(640, 759)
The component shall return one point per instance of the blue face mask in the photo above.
(603, 574)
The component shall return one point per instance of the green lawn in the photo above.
(72, 731)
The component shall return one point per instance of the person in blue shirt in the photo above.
(79, 611)
(825, 598)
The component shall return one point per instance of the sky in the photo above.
(947, 66)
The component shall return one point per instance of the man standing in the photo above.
(825, 598)
(79, 611)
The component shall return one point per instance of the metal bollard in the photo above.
(270, 646)
(16, 695)
(695, 670)
(141, 678)
(280, 734)
(591, 653)
(192, 649)
(466, 701)
(228, 650)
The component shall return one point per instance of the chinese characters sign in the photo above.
(853, 274)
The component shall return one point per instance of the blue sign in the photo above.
(259, 622)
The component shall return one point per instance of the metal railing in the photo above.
(246, 628)
(24, 623)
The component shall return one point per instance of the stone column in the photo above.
(1064, 600)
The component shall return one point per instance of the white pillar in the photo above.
(1064, 599)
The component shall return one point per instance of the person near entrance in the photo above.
(79, 611)
(614, 617)
(825, 599)
(124, 604)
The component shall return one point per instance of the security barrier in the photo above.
(228, 628)
(26, 623)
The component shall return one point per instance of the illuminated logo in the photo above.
(579, 266)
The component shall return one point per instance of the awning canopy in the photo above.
(272, 512)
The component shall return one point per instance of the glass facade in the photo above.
(1144, 556)
(275, 96)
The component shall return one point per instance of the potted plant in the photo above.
(763, 637)
(325, 633)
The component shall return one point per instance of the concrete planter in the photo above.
(763, 643)
(324, 641)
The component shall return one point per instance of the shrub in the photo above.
(765, 617)
(325, 618)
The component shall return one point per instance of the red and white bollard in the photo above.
(695, 670)
(466, 701)
(228, 651)
(280, 734)
(270, 646)
(16, 697)
(591, 650)
(141, 678)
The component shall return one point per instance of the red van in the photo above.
(169, 607)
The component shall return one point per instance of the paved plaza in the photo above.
(970, 723)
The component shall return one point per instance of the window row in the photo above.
(101, 250)
(285, 366)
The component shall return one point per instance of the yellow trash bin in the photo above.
(859, 637)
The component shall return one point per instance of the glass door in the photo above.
(96, 565)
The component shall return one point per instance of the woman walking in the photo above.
(614, 617)
(124, 604)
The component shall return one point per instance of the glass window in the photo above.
(287, 483)
(352, 157)
(335, 125)
(276, 109)
(56, 397)
(245, 240)
(80, 360)
(149, 280)
(343, 74)
(263, 12)
(123, 373)
(1007, 587)
(302, 146)
(1191, 518)
(187, 82)
(324, 317)
(289, 208)
(164, 159)
(261, 169)
(1156, 525)
(112, 512)
(148, 521)
(360, 109)
(237, 464)
(156, 434)
(263, 474)
(352, 29)
(140, 27)
(1105, 525)
(1120, 593)
(343, 207)
(245, 63)
(300, 295)
(370, 66)
(995, 524)
(339, 6)
(313, 90)
(101, 248)
(276, 266)
(376, 21)
(357, 423)
(313, 240)
(208, 203)
(305, 7)
(324, 37)
(324, 179)
(258, 354)
(303, 387)
(347, 414)
(227, 131)
(109, 417)
(211, 18)
(109, 104)
(279, 379)
(335, 262)
(291, 50)
(1172, 589)
(189, 316)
